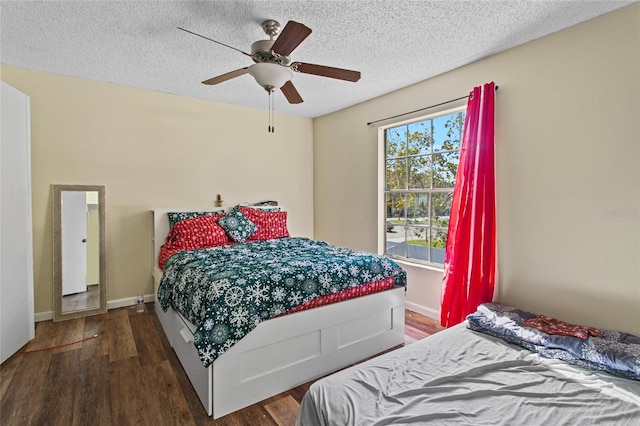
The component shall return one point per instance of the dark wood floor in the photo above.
(127, 375)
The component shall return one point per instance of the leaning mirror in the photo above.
(79, 251)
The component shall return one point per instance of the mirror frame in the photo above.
(58, 315)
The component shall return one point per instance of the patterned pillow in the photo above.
(198, 232)
(192, 234)
(175, 217)
(238, 227)
(270, 224)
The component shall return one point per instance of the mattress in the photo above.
(459, 376)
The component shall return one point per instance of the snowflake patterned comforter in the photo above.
(227, 291)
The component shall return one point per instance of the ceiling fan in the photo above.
(273, 67)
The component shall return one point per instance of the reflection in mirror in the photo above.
(79, 251)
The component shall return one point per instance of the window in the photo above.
(420, 165)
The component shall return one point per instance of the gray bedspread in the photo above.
(461, 377)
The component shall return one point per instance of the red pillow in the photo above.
(199, 232)
(270, 224)
(192, 234)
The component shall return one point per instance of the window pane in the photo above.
(420, 139)
(447, 132)
(420, 172)
(396, 212)
(418, 208)
(397, 174)
(396, 140)
(394, 226)
(418, 242)
(421, 163)
(441, 208)
(438, 245)
(396, 246)
(445, 167)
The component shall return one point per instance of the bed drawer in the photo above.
(201, 377)
(167, 320)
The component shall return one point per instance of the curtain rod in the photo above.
(421, 109)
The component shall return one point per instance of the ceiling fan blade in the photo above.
(210, 39)
(291, 93)
(227, 76)
(291, 36)
(325, 71)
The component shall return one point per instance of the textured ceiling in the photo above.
(393, 43)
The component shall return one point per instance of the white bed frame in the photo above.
(283, 352)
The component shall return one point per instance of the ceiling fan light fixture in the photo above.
(270, 76)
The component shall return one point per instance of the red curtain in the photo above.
(470, 259)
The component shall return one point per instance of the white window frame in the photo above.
(382, 231)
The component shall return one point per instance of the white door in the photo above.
(16, 245)
(74, 242)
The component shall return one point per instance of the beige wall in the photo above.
(568, 171)
(153, 150)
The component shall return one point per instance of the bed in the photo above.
(463, 376)
(282, 352)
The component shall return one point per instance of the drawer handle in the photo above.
(186, 335)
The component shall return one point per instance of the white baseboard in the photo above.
(43, 316)
(423, 310)
(111, 304)
(128, 301)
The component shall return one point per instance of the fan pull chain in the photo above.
(272, 127)
(269, 128)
